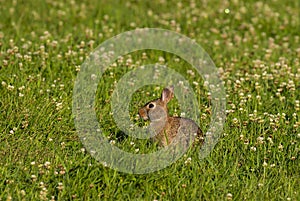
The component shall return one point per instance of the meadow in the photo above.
(254, 44)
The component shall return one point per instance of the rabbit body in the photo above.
(168, 129)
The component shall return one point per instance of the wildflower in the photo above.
(161, 60)
(23, 193)
(280, 147)
(93, 77)
(10, 87)
(60, 186)
(235, 120)
(177, 60)
(188, 161)
(5, 62)
(144, 55)
(59, 106)
(229, 196)
(47, 164)
(77, 68)
(195, 83)
(227, 11)
(33, 177)
(63, 144)
(260, 140)
(265, 164)
(190, 72)
(270, 140)
(21, 88)
(128, 62)
(104, 164)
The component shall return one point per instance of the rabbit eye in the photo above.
(151, 105)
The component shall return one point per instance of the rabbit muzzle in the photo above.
(143, 114)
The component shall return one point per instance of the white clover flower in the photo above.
(23, 193)
(260, 140)
(59, 106)
(235, 120)
(10, 87)
(270, 140)
(144, 55)
(47, 164)
(60, 186)
(93, 77)
(265, 164)
(229, 196)
(161, 60)
(188, 161)
(195, 83)
(33, 177)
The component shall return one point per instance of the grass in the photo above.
(256, 47)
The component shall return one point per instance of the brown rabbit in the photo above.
(168, 129)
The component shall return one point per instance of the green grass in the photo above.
(256, 47)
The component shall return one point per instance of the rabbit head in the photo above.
(157, 110)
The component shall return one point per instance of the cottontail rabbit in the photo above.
(168, 129)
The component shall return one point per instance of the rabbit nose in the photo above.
(143, 114)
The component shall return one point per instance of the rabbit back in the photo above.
(177, 128)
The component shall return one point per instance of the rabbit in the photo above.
(167, 128)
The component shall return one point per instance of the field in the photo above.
(254, 44)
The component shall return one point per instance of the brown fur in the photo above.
(165, 126)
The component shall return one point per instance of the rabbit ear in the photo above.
(167, 94)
